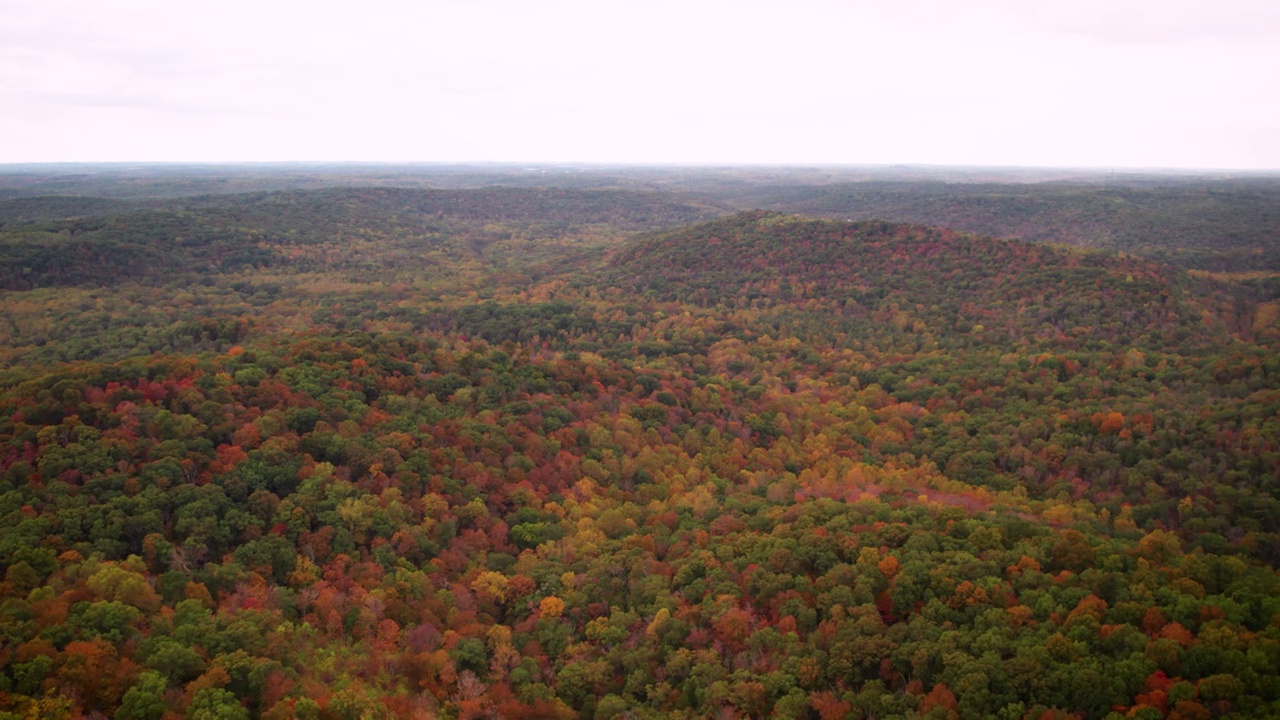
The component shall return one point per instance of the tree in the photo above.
(213, 703)
(145, 700)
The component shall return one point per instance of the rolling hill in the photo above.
(112, 241)
(923, 279)
(1215, 226)
(529, 453)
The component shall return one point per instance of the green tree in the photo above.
(145, 700)
(216, 704)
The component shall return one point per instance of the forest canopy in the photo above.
(596, 451)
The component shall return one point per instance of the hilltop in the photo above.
(928, 281)
(1222, 226)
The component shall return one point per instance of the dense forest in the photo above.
(607, 444)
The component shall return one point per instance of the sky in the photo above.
(1079, 83)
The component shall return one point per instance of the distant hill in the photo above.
(1212, 221)
(46, 208)
(1221, 226)
(918, 278)
(627, 209)
(100, 241)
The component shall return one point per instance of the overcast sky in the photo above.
(1103, 83)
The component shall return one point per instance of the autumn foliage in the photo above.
(759, 467)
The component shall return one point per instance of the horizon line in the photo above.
(14, 165)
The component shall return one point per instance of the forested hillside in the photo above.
(225, 233)
(373, 453)
(1212, 226)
